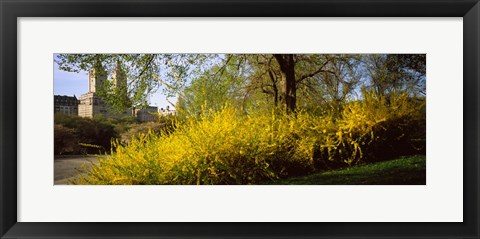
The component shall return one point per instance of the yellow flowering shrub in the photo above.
(221, 147)
(376, 128)
(228, 147)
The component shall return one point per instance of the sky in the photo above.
(71, 83)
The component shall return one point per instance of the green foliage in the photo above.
(82, 132)
(116, 96)
(393, 73)
(65, 140)
(229, 147)
(213, 89)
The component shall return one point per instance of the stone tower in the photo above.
(96, 77)
(90, 103)
(119, 79)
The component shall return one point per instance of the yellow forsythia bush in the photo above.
(227, 147)
(221, 147)
(376, 128)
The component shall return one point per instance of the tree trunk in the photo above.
(274, 87)
(289, 87)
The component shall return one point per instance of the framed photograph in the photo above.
(226, 119)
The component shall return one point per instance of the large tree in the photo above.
(390, 73)
(279, 75)
(288, 81)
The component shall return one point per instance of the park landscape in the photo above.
(245, 119)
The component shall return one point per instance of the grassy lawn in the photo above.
(403, 171)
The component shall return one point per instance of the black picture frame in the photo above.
(10, 10)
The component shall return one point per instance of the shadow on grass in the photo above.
(402, 171)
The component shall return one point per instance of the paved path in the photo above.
(67, 167)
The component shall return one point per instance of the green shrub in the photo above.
(65, 141)
(88, 133)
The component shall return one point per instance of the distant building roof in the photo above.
(65, 98)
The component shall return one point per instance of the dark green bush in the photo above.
(65, 140)
(92, 135)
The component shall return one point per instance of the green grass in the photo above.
(403, 171)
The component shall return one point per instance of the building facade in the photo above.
(148, 114)
(65, 104)
(91, 104)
